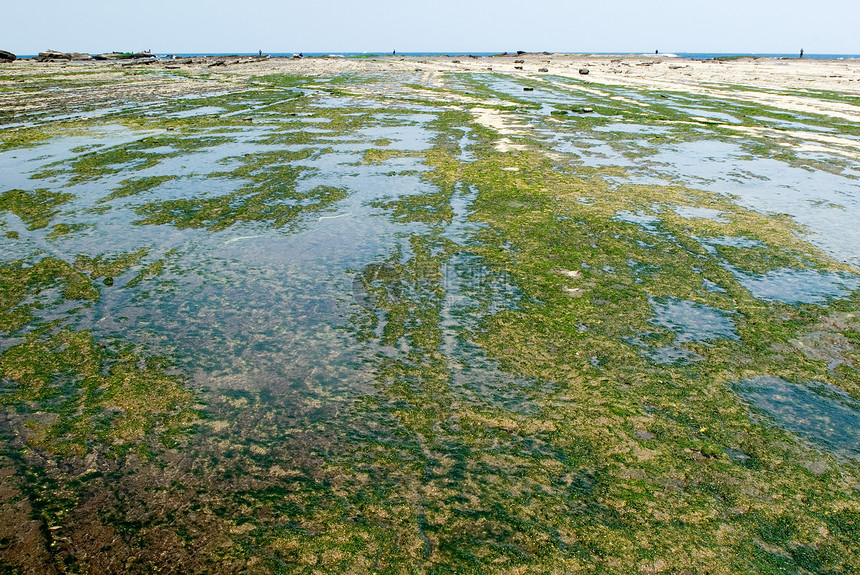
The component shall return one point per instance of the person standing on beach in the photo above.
(801, 52)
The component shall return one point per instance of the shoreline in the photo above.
(793, 85)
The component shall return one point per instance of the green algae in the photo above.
(136, 186)
(69, 390)
(103, 266)
(153, 270)
(137, 155)
(277, 206)
(20, 281)
(35, 207)
(61, 230)
(80, 393)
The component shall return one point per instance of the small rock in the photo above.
(587, 110)
(108, 281)
(455, 61)
(519, 61)
(583, 71)
(518, 67)
(7, 56)
(543, 70)
(528, 89)
(573, 274)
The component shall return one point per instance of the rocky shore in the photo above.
(524, 313)
(659, 72)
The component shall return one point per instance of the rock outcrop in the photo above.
(7, 56)
(123, 56)
(53, 56)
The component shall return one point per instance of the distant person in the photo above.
(801, 52)
(261, 53)
(394, 52)
(656, 51)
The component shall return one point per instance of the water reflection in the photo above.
(819, 413)
(682, 322)
(795, 286)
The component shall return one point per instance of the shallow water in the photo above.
(690, 321)
(710, 114)
(682, 322)
(798, 286)
(632, 129)
(691, 212)
(825, 204)
(819, 413)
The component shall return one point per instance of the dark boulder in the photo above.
(7, 56)
(583, 71)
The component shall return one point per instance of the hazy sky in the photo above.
(454, 26)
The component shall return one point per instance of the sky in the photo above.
(449, 26)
